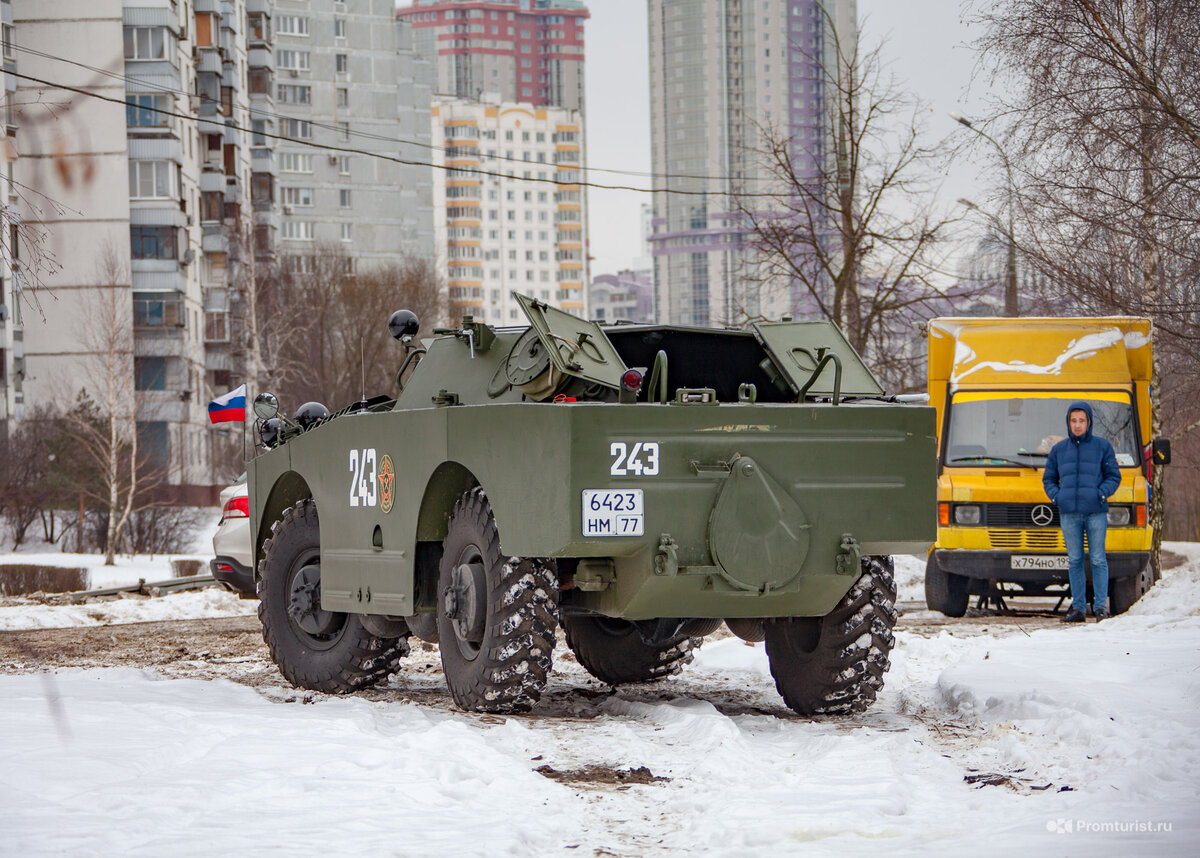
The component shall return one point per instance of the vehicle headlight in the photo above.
(967, 514)
(1118, 516)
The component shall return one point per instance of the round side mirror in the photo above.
(403, 323)
(266, 406)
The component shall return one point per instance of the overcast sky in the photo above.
(926, 46)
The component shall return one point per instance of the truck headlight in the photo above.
(967, 514)
(1118, 516)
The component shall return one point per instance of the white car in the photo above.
(232, 565)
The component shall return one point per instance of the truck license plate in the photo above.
(612, 512)
(1039, 561)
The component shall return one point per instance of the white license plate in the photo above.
(1039, 561)
(613, 512)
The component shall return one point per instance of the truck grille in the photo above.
(1045, 539)
(1018, 515)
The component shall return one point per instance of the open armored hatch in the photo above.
(800, 359)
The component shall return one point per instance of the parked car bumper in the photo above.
(233, 576)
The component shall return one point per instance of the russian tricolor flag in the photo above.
(230, 408)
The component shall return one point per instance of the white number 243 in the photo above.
(640, 460)
(362, 477)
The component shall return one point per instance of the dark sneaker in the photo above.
(1101, 614)
(1074, 616)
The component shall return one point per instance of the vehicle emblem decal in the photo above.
(387, 483)
(1042, 515)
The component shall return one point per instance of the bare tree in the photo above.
(336, 345)
(857, 232)
(1101, 130)
(105, 414)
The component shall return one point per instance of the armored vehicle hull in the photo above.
(468, 512)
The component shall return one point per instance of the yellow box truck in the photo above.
(1001, 388)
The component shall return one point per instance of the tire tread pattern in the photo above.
(843, 673)
(511, 669)
(358, 661)
(625, 659)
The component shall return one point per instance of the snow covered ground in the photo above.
(1072, 740)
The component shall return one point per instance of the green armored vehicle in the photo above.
(638, 485)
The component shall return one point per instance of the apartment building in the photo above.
(115, 192)
(719, 70)
(528, 51)
(352, 104)
(511, 211)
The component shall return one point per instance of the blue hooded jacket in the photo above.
(1081, 473)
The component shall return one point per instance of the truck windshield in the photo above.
(1017, 430)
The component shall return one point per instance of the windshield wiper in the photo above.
(989, 459)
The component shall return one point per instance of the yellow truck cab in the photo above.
(1001, 388)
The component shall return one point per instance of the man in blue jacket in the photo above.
(1081, 474)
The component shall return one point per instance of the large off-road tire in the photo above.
(945, 591)
(496, 614)
(315, 649)
(834, 665)
(1123, 592)
(612, 650)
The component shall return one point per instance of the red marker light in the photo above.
(631, 380)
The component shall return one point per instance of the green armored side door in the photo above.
(797, 348)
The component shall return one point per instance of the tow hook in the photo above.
(849, 556)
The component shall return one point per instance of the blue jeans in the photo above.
(1074, 524)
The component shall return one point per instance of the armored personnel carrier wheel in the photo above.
(496, 614)
(945, 591)
(612, 650)
(315, 649)
(834, 665)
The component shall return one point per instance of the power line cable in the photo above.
(381, 155)
(259, 112)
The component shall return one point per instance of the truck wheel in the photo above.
(1123, 592)
(496, 614)
(834, 665)
(315, 649)
(945, 591)
(612, 650)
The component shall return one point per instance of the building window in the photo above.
(344, 198)
(150, 373)
(344, 165)
(153, 242)
(6, 36)
(296, 230)
(146, 111)
(344, 130)
(343, 97)
(339, 28)
(298, 197)
(295, 162)
(152, 441)
(258, 132)
(150, 180)
(145, 43)
(287, 93)
(342, 63)
(152, 309)
(294, 60)
(297, 129)
(291, 25)
(347, 232)
(216, 326)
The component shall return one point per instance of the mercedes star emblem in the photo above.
(1042, 515)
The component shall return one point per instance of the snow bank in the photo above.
(188, 605)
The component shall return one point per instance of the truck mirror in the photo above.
(1160, 451)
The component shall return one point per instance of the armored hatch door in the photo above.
(797, 347)
(576, 346)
